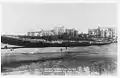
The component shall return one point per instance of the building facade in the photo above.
(40, 33)
(31, 33)
(106, 32)
(71, 32)
(58, 30)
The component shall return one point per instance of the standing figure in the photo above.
(66, 47)
(61, 49)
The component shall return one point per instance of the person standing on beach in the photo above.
(61, 49)
(11, 49)
(66, 47)
(5, 47)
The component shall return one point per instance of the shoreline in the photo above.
(30, 43)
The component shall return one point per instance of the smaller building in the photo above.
(40, 33)
(30, 33)
(46, 33)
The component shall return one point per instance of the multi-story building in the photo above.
(31, 33)
(47, 33)
(71, 32)
(106, 32)
(92, 31)
(58, 30)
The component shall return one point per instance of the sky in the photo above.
(19, 18)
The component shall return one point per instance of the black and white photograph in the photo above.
(43, 39)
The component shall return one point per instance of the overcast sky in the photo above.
(21, 18)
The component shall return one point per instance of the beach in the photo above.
(51, 57)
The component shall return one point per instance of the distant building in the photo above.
(106, 32)
(47, 33)
(58, 30)
(109, 32)
(92, 31)
(71, 32)
(30, 33)
(40, 33)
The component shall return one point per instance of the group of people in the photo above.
(11, 49)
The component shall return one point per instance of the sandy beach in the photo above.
(72, 57)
